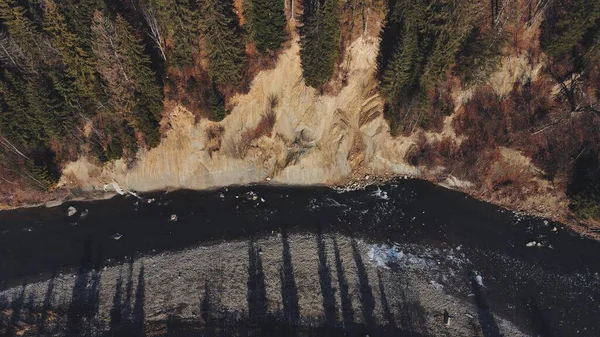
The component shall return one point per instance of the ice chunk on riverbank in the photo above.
(384, 255)
(118, 188)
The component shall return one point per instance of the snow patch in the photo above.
(384, 255)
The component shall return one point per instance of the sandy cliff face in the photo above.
(316, 139)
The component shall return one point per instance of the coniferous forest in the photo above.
(91, 76)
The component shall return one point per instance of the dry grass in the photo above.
(264, 126)
(214, 133)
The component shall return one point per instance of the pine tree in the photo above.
(566, 23)
(79, 65)
(79, 15)
(147, 93)
(224, 47)
(319, 41)
(267, 22)
(186, 35)
(111, 65)
(22, 31)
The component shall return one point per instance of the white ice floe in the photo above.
(84, 214)
(116, 236)
(71, 211)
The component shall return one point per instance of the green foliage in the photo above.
(419, 43)
(224, 47)
(320, 41)
(216, 102)
(79, 65)
(267, 22)
(479, 55)
(187, 34)
(114, 150)
(566, 23)
(146, 113)
(41, 177)
(586, 204)
(178, 22)
(78, 15)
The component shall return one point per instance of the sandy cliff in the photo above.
(316, 139)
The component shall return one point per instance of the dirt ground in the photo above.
(300, 281)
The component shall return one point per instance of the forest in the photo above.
(430, 49)
(92, 77)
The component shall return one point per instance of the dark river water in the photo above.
(552, 290)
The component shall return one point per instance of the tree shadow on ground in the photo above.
(487, 322)
(365, 292)
(345, 299)
(539, 319)
(289, 290)
(329, 305)
(127, 315)
(257, 292)
(84, 304)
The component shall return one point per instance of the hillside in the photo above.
(499, 99)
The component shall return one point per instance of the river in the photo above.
(495, 265)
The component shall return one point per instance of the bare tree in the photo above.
(11, 55)
(155, 34)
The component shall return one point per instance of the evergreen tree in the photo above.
(267, 22)
(79, 65)
(319, 41)
(79, 15)
(22, 31)
(147, 94)
(566, 24)
(111, 65)
(186, 35)
(224, 47)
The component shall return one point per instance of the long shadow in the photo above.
(289, 290)
(539, 320)
(127, 316)
(488, 324)
(329, 306)
(207, 311)
(4, 304)
(47, 305)
(366, 293)
(116, 312)
(138, 308)
(257, 293)
(388, 315)
(127, 305)
(345, 299)
(77, 307)
(17, 307)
